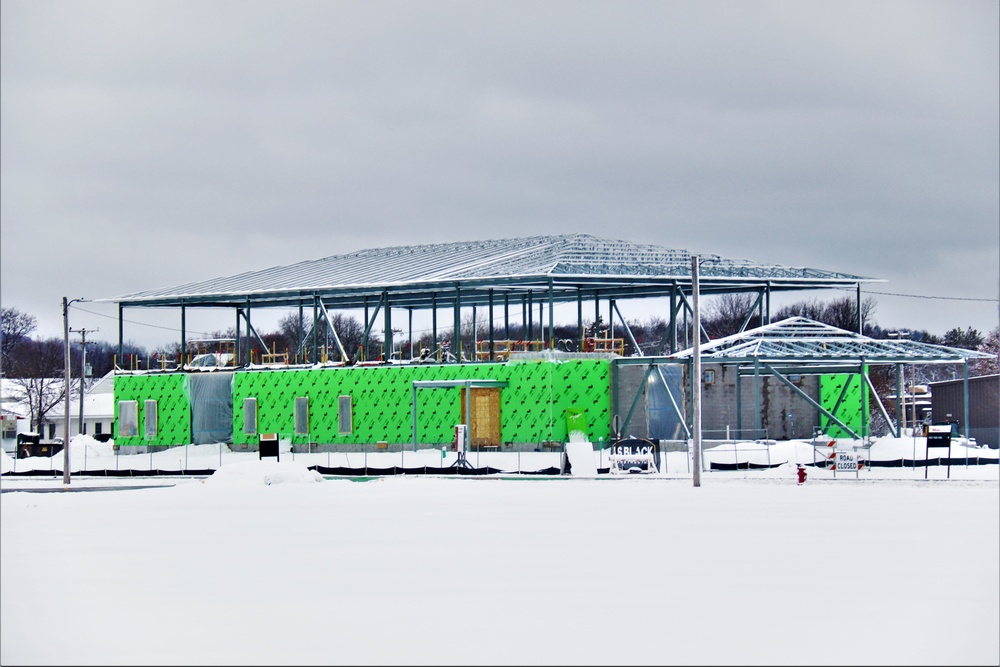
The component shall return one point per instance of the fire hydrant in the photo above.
(801, 470)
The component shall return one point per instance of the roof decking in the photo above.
(423, 276)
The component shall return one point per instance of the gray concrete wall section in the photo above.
(784, 414)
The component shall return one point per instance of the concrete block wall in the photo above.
(784, 414)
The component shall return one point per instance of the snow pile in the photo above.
(6, 462)
(84, 447)
(262, 473)
(581, 458)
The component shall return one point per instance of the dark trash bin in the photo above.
(268, 445)
(31, 444)
(27, 444)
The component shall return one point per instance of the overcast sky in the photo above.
(149, 144)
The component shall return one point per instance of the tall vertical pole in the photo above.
(315, 328)
(900, 407)
(121, 334)
(492, 343)
(552, 326)
(456, 323)
(184, 336)
(506, 315)
(83, 367)
(363, 352)
(672, 331)
(696, 380)
(530, 335)
(597, 313)
(965, 398)
(83, 374)
(299, 356)
(65, 306)
(246, 317)
(387, 326)
(861, 324)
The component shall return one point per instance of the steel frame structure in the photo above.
(531, 271)
(802, 346)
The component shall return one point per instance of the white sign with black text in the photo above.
(846, 462)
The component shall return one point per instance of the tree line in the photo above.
(35, 366)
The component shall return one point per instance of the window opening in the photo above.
(301, 415)
(249, 416)
(344, 415)
(149, 418)
(128, 418)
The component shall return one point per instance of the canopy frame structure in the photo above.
(799, 345)
(467, 384)
(536, 271)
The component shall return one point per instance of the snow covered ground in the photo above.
(268, 562)
(90, 455)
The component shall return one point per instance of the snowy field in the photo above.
(268, 562)
(89, 456)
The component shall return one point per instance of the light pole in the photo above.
(65, 305)
(696, 372)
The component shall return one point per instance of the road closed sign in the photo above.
(846, 462)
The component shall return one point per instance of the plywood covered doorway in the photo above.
(484, 431)
(479, 405)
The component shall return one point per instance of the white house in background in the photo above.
(14, 416)
(98, 412)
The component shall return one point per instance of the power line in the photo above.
(928, 296)
(142, 324)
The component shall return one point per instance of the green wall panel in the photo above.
(172, 407)
(852, 410)
(532, 407)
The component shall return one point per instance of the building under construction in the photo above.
(772, 380)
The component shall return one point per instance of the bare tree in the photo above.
(291, 327)
(725, 314)
(15, 326)
(811, 309)
(347, 328)
(841, 313)
(38, 376)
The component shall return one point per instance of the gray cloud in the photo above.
(150, 144)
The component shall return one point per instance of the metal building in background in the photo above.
(947, 404)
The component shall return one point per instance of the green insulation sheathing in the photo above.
(852, 410)
(173, 408)
(533, 404)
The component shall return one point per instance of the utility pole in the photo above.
(83, 367)
(696, 373)
(65, 308)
